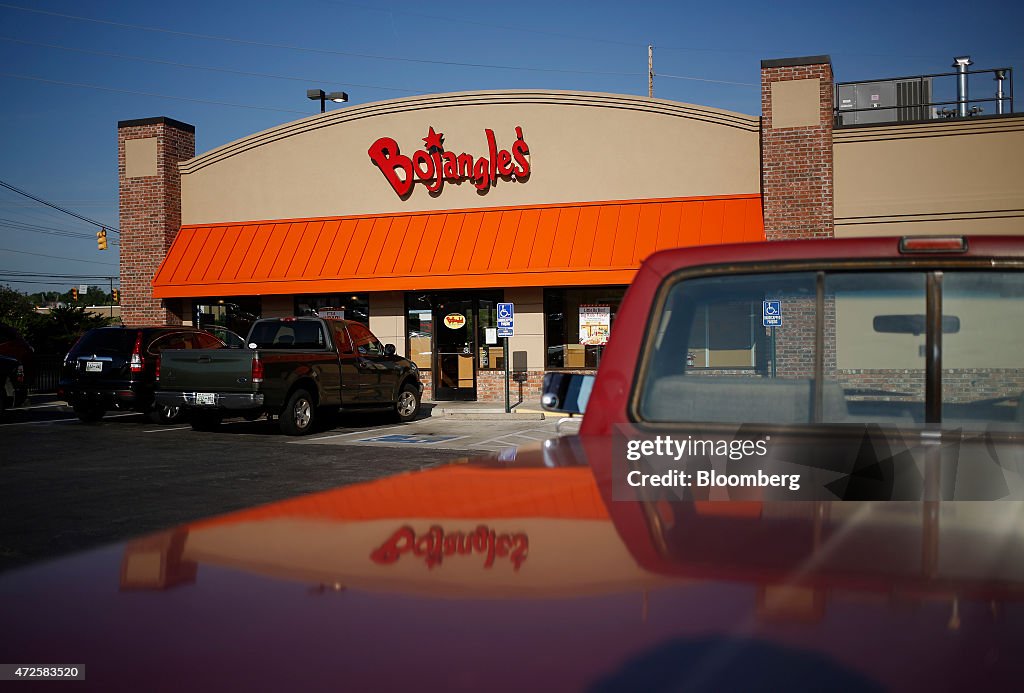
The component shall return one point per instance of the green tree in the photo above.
(16, 309)
(56, 332)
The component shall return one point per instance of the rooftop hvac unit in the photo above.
(893, 101)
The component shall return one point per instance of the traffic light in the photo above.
(101, 239)
(117, 296)
(74, 294)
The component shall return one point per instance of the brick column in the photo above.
(796, 148)
(148, 152)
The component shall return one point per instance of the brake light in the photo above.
(137, 364)
(257, 369)
(933, 244)
(19, 374)
(156, 366)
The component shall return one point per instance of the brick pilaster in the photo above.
(796, 154)
(150, 214)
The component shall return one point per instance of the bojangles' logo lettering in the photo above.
(433, 166)
(455, 320)
(434, 546)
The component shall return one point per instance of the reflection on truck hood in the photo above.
(525, 574)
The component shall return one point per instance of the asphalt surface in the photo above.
(66, 486)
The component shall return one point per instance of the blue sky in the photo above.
(59, 139)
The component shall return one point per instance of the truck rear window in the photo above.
(288, 335)
(744, 349)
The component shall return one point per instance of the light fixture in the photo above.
(323, 97)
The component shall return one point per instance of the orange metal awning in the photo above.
(545, 245)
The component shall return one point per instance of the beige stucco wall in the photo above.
(956, 177)
(987, 336)
(529, 325)
(583, 147)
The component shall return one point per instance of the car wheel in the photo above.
(407, 406)
(164, 414)
(205, 420)
(299, 414)
(3, 400)
(89, 413)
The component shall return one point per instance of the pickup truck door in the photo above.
(377, 374)
(346, 363)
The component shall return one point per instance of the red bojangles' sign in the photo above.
(433, 166)
(435, 545)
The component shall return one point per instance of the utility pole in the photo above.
(650, 71)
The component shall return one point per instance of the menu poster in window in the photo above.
(595, 324)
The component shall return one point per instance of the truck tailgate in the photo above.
(206, 370)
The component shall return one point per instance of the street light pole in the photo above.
(323, 97)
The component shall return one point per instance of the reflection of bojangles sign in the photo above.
(436, 545)
(595, 324)
(433, 166)
(455, 320)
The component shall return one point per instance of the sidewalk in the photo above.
(529, 410)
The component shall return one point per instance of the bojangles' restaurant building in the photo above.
(417, 216)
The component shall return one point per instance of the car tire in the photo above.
(407, 405)
(205, 420)
(163, 414)
(89, 413)
(3, 399)
(299, 414)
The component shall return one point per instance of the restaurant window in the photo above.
(235, 313)
(419, 320)
(724, 334)
(578, 323)
(336, 306)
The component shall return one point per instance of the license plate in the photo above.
(93, 366)
(207, 398)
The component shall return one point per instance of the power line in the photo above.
(146, 93)
(59, 208)
(307, 49)
(50, 231)
(55, 257)
(714, 81)
(48, 275)
(504, 27)
(171, 63)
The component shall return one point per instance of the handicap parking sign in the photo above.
(771, 315)
(506, 319)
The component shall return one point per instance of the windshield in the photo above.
(752, 348)
(292, 334)
(106, 341)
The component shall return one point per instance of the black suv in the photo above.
(117, 368)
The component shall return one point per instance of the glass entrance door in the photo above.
(455, 348)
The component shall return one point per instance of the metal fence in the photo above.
(46, 374)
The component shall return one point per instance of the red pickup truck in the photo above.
(862, 369)
(870, 369)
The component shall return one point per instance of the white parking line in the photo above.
(67, 420)
(161, 430)
(355, 433)
(44, 406)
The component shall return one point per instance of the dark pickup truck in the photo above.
(292, 368)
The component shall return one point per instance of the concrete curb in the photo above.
(487, 415)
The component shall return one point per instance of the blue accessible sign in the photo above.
(506, 320)
(771, 315)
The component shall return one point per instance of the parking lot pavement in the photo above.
(443, 434)
(67, 486)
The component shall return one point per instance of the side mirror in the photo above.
(389, 350)
(566, 392)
